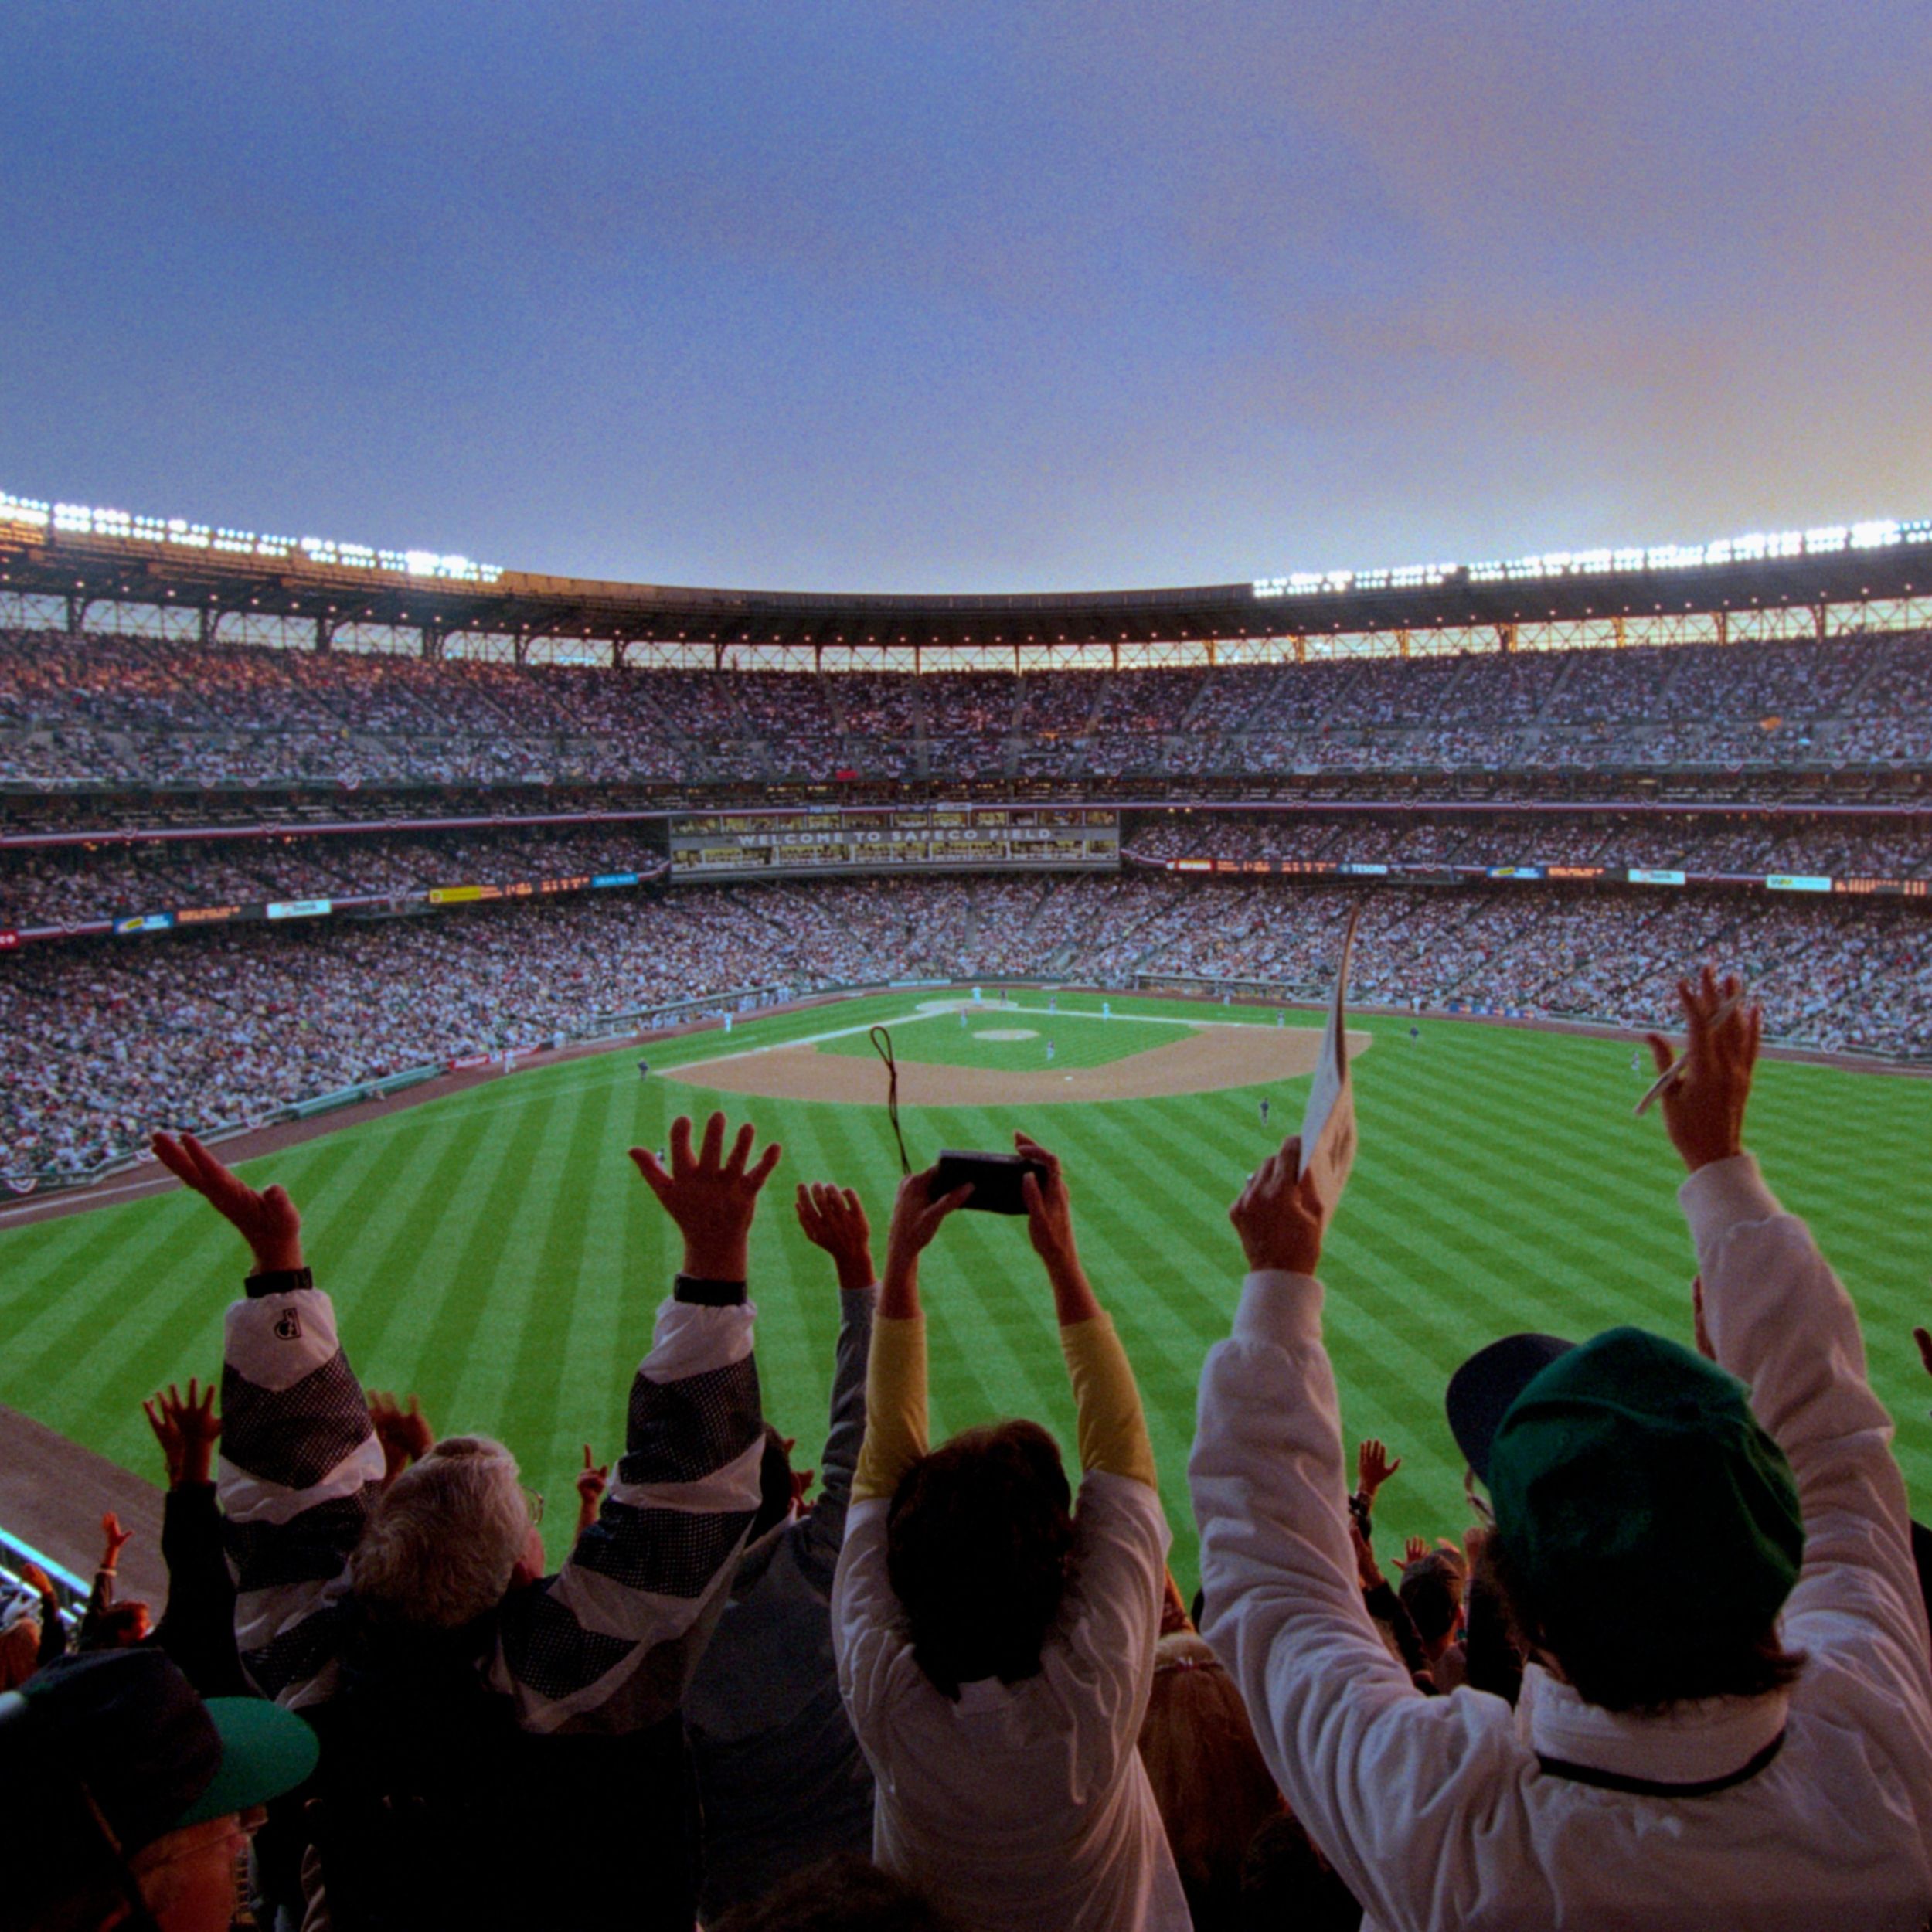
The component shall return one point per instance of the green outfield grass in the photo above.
(496, 1252)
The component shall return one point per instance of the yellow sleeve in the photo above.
(1113, 1431)
(895, 1407)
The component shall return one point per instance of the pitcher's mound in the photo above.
(1203, 1059)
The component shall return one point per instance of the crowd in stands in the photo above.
(123, 709)
(68, 884)
(1742, 847)
(1671, 1671)
(110, 1038)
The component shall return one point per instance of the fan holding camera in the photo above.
(994, 1636)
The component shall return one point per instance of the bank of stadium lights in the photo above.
(1880, 534)
(75, 519)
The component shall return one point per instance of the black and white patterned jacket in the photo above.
(609, 1643)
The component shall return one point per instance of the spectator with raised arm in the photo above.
(996, 1644)
(784, 1782)
(592, 1480)
(474, 1712)
(404, 1434)
(197, 1629)
(50, 1624)
(1727, 1717)
(1374, 1466)
(105, 1623)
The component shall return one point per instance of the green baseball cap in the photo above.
(1638, 1498)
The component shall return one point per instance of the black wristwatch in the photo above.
(278, 1282)
(708, 1293)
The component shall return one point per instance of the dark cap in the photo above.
(154, 1756)
(1480, 1391)
(1633, 1486)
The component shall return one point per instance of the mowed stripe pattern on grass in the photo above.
(496, 1252)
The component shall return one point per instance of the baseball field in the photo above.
(494, 1251)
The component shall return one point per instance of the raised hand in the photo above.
(801, 1482)
(916, 1216)
(1373, 1466)
(1704, 1105)
(267, 1221)
(405, 1434)
(711, 1196)
(1413, 1551)
(114, 1539)
(592, 1481)
(187, 1428)
(1049, 1208)
(834, 1218)
(1280, 1220)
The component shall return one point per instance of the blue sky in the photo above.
(908, 297)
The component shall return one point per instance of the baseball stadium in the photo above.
(1049, 1050)
(426, 888)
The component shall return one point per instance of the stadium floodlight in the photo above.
(80, 519)
(1875, 533)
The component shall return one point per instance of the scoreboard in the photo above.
(894, 838)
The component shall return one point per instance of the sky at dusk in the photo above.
(985, 297)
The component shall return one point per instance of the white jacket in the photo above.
(1441, 1812)
(1022, 1808)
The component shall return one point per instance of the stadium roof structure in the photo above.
(85, 558)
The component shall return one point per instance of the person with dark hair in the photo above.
(1727, 1718)
(1431, 1592)
(475, 1712)
(996, 1644)
(782, 1780)
(129, 1798)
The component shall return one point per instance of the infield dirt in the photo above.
(1203, 1059)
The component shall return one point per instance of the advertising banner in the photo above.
(1638, 878)
(614, 879)
(298, 908)
(1797, 882)
(144, 922)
